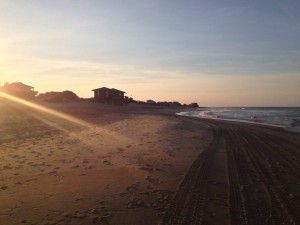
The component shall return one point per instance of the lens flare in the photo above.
(46, 110)
(64, 116)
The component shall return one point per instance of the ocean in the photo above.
(286, 117)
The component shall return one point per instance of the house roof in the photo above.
(103, 88)
(109, 89)
(116, 90)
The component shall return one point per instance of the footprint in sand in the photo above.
(3, 187)
(21, 161)
(152, 180)
(85, 161)
(54, 173)
(106, 162)
(75, 167)
(77, 199)
(90, 167)
(15, 156)
(7, 167)
(104, 219)
(134, 187)
(136, 203)
(131, 189)
(120, 149)
(162, 200)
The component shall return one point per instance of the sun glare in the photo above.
(46, 110)
(64, 116)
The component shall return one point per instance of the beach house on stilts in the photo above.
(109, 95)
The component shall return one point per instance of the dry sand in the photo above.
(134, 165)
(125, 172)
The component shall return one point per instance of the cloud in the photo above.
(47, 68)
(143, 83)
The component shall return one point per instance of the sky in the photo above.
(214, 52)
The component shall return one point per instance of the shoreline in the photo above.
(285, 128)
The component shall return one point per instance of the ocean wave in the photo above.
(287, 118)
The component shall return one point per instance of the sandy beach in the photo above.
(138, 165)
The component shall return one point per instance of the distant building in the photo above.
(19, 89)
(109, 95)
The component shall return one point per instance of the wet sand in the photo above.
(143, 165)
(249, 174)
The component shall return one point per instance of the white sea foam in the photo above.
(288, 118)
